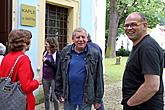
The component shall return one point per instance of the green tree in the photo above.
(116, 12)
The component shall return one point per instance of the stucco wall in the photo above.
(16, 24)
(92, 18)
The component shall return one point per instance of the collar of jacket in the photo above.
(88, 49)
(54, 54)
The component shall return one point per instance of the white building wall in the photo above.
(100, 12)
(92, 18)
(158, 34)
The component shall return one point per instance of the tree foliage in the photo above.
(152, 9)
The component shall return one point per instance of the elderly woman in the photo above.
(19, 42)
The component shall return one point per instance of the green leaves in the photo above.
(152, 9)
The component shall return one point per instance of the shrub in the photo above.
(122, 52)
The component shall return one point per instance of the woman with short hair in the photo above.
(19, 42)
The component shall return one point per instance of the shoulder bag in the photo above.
(11, 95)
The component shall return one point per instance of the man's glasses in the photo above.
(132, 25)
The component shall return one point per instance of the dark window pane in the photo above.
(56, 23)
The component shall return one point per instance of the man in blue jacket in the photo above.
(80, 75)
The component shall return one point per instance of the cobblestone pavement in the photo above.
(42, 107)
(112, 97)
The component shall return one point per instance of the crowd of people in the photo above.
(74, 75)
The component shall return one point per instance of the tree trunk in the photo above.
(113, 26)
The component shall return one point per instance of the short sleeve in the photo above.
(150, 61)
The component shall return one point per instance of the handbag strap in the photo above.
(12, 69)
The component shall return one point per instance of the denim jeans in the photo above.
(49, 87)
(68, 106)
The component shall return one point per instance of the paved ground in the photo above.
(112, 97)
(41, 107)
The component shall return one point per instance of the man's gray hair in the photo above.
(79, 29)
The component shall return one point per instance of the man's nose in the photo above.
(81, 38)
(129, 27)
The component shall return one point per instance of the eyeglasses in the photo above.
(132, 25)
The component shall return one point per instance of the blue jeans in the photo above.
(49, 87)
(68, 106)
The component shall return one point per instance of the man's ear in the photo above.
(145, 26)
(72, 38)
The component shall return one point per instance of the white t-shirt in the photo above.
(1, 57)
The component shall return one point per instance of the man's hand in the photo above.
(61, 99)
(97, 105)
